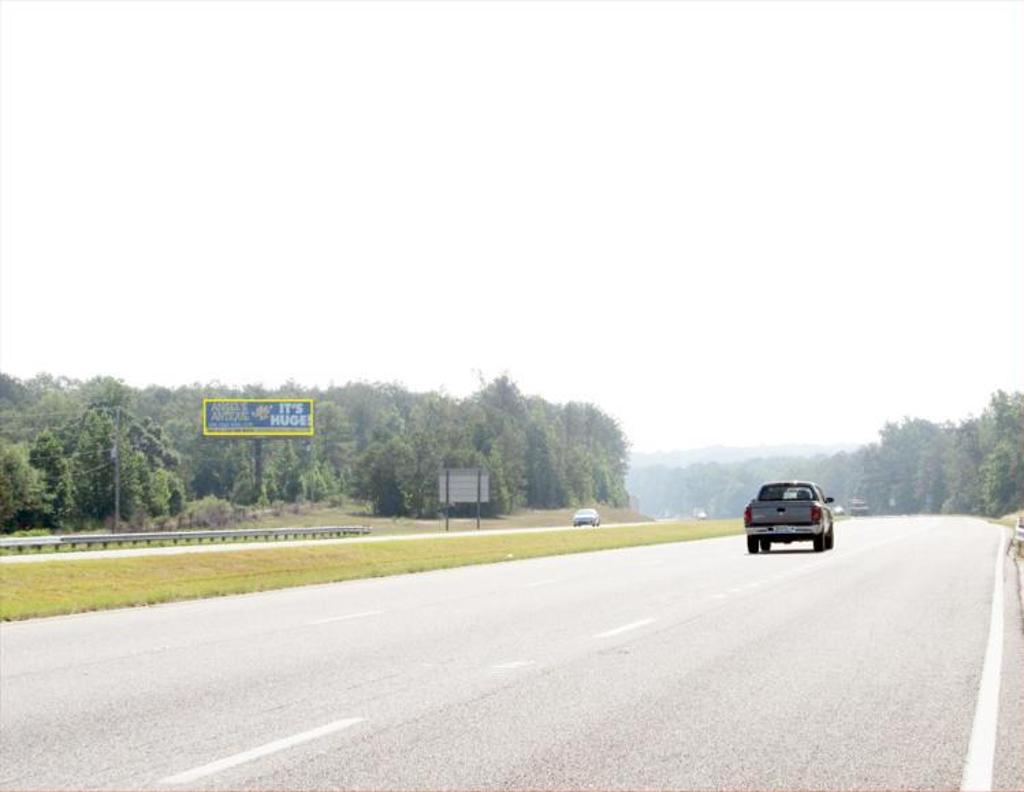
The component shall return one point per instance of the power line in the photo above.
(68, 454)
(77, 411)
(94, 469)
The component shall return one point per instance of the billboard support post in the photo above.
(447, 497)
(257, 467)
(479, 475)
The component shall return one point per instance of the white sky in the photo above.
(732, 223)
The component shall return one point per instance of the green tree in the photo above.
(21, 491)
(286, 476)
(383, 468)
(49, 457)
(92, 466)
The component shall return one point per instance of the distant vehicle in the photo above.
(859, 507)
(586, 517)
(700, 514)
(837, 510)
(789, 511)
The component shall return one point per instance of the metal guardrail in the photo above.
(151, 537)
(1020, 529)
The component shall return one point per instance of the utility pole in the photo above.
(116, 455)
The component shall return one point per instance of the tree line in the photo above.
(975, 466)
(375, 443)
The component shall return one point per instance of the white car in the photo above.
(586, 517)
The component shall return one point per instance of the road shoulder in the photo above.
(1008, 771)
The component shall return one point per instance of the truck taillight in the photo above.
(815, 513)
(748, 515)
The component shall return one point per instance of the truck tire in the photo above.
(766, 545)
(830, 540)
(752, 544)
(819, 543)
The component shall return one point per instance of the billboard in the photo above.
(463, 484)
(258, 417)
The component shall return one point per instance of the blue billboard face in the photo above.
(258, 417)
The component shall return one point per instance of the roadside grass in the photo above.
(61, 587)
(1010, 520)
(1007, 519)
(355, 514)
(114, 545)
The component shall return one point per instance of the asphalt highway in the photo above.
(682, 666)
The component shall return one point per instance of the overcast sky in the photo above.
(733, 223)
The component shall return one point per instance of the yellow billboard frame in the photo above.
(241, 433)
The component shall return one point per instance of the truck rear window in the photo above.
(777, 492)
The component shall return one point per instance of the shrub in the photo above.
(210, 512)
(32, 532)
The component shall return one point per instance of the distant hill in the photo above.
(726, 454)
(915, 467)
(719, 481)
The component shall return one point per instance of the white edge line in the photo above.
(247, 756)
(346, 616)
(981, 751)
(625, 628)
(544, 582)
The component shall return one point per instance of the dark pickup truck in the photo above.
(789, 511)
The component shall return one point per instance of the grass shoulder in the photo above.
(309, 516)
(1009, 520)
(61, 587)
(358, 514)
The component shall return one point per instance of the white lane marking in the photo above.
(981, 751)
(544, 582)
(719, 596)
(512, 664)
(625, 628)
(247, 756)
(345, 617)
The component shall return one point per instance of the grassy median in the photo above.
(58, 587)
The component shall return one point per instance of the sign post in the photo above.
(463, 485)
